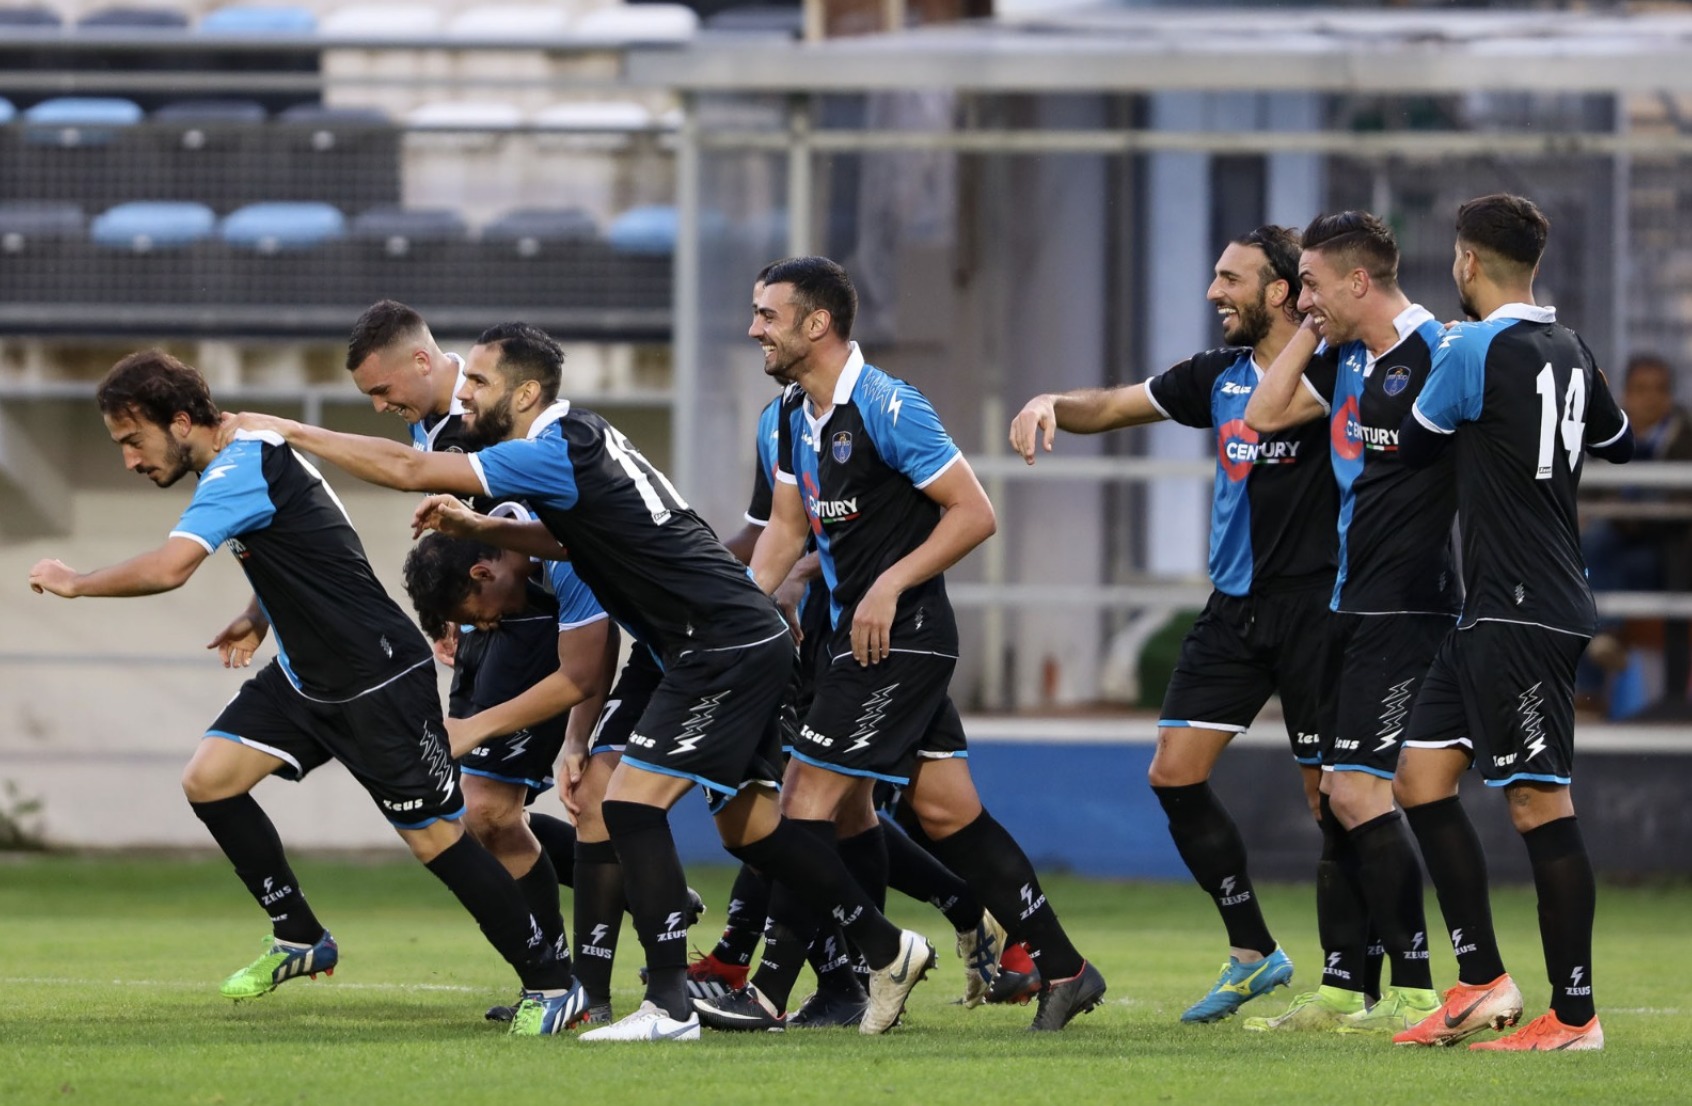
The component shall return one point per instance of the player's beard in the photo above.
(1466, 305)
(492, 425)
(181, 461)
(1251, 325)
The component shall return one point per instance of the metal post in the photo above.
(684, 384)
(800, 179)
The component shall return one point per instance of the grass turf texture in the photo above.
(109, 971)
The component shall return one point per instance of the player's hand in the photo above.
(237, 642)
(872, 623)
(461, 736)
(54, 576)
(1038, 417)
(446, 646)
(446, 513)
(229, 423)
(571, 767)
(787, 598)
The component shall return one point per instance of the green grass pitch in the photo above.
(108, 994)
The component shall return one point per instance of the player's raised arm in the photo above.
(783, 541)
(379, 461)
(163, 569)
(1086, 411)
(454, 518)
(1282, 398)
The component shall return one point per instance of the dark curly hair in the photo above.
(153, 386)
(437, 577)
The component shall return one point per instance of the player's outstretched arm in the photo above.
(1087, 411)
(967, 521)
(454, 518)
(163, 569)
(1281, 398)
(379, 461)
(580, 675)
(783, 541)
(237, 642)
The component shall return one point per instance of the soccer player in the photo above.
(1396, 595)
(891, 504)
(658, 571)
(1272, 549)
(512, 722)
(394, 359)
(353, 680)
(1519, 400)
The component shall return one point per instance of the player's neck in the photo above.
(1380, 330)
(202, 447)
(819, 373)
(1271, 345)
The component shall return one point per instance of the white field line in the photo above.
(184, 984)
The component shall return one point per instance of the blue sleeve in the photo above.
(906, 431)
(769, 440)
(536, 469)
(1456, 381)
(576, 604)
(233, 497)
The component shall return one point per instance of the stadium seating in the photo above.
(211, 151)
(345, 156)
(421, 257)
(149, 252)
(259, 19)
(79, 149)
(40, 246)
(283, 253)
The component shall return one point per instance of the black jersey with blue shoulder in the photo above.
(653, 563)
(338, 633)
(1274, 500)
(1397, 553)
(1524, 398)
(861, 470)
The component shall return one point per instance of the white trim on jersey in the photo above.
(1327, 408)
(1416, 410)
(784, 477)
(744, 645)
(941, 471)
(396, 676)
(760, 523)
(269, 437)
(547, 417)
(1522, 622)
(842, 391)
(1612, 440)
(600, 617)
(913, 652)
(1405, 323)
(1151, 397)
(1527, 312)
(202, 542)
(481, 477)
(454, 407)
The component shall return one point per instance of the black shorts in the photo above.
(1382, 659)
(1242, 650)
(715, 718)
(879, 720)
(504, 663)
(1504, 693)
(391, 739)
(626, 703)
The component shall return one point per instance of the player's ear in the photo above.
(817, 324)
(481, 571)
(180, 425)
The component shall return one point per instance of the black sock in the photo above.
(599, 906)
(787, 937)
(558, 840)
(749, 905)
(490, 894)
(988, 858)
(834, 961)
(813, 870)
(1568, 899)
(1374, 960)
(912, 870)
(865, 856)
(1392, 886)
(656, 888)
(245, 834)
(1452, 851)
(1210, 843)
(1342, 924)
(540, 891)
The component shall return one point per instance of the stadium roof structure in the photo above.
(1109, 48)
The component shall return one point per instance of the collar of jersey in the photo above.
(548, 417)
(456, 407)
(842, 387)
(1526, 311)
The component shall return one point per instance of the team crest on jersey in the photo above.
(1397, 379)
(842, 447)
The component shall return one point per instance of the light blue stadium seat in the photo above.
(79, 120)
(644, 230)
(122, 16)
(7, 111)
(259, 19)
(32, 16)
(144, 226)
(276, 227)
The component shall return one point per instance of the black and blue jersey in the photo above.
(1274, 500)
(860, 470)
(1524, 397)
(1396, 548)
(764, 467)
(653, 563)
(445, 433)
(338, 634)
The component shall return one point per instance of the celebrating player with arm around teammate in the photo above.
(1519, 401)
(865, 468)
(1265, 627)
(353, 680)
(726, 652)
(1395, 597)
